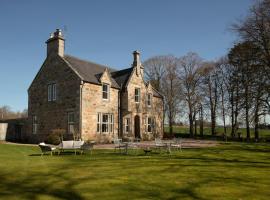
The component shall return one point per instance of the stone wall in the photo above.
(130, 108)
(53, 115)
(92, 104)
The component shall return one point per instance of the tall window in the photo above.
(105, 123)
(149, 100)
(52, 92)
(137, 95)
(105, 91)
(127, 125)
(150, 124)
(35, 124)
(71, 122)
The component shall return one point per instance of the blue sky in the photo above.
(107, 32)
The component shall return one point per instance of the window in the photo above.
(137, 95)
(71, 121)
(105, 123)
(127, 125)
(150, 124)
(105, 91)
(52, 92)
(149, 100)
(35, 124)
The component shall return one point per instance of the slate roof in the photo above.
(122, 76)
(89, 71)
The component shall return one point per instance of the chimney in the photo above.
(56, 44)
(137, 62)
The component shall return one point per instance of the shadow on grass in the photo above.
(34, 186)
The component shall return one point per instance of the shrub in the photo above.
(55, 137)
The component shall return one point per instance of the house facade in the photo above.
(95, 101)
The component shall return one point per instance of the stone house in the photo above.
(92, 100)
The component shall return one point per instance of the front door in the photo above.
(137, 126)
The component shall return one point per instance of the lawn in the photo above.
(184, 130)
(228, 171)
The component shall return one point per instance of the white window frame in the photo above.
(52, 92)
(71, 122)
(137, 97)
(106, 92)
(150, 124)
(127, 125)
(149, 100)
(35, 124)
(105, 127)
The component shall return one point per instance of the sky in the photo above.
(107, 31)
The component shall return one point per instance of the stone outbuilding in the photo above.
(91, 100)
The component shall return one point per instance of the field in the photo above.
(184, 130)
(228, 171)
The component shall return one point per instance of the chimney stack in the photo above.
(56, 44)
(137, 62)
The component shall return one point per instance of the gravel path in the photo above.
(186, 143)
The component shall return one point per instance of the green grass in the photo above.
(263, 133)
(228, 171)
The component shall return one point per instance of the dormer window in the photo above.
(52, 92)
(105, 91)
(137, 95)
(149, 100)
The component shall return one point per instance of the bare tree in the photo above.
(155, 69)
(189, 74)
(170, 87)
(210, 83)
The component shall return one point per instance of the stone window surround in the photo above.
(106, 92)
(108, 125)
(52, 92)
(34, 124)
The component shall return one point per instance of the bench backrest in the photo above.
(68, 144)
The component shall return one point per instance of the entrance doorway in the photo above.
(137, 126)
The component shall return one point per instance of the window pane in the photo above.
(105, 95)
(105, 118)
(105, 91)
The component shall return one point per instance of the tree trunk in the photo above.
(223, 114)
(201, 121)
(191, 125)
(170, 124)
(195, 124)
(256, 121)
(232, 115)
